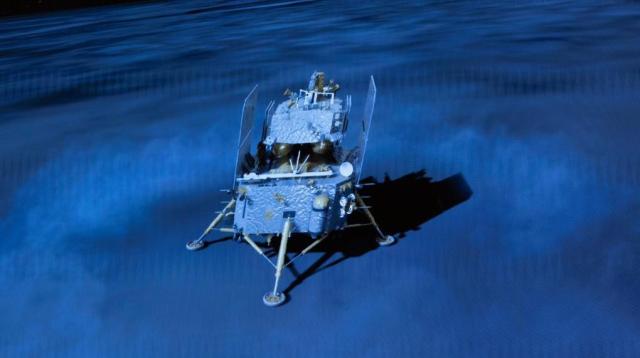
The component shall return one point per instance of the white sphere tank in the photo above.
(346, 169)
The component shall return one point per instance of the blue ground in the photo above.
(118, 127)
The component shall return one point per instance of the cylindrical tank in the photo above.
(324, 147)
(281, 150)
(318, 217)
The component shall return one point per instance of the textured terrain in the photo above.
(118, 127)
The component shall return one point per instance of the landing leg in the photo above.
(275, 298)
(383, 240)
(199, 243)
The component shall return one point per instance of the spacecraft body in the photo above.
(300, 171)
(310, 203)
(300, 180)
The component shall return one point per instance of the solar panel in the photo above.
(244, 139)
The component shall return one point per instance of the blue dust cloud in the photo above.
(118, 127)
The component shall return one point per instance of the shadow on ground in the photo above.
(399, 205)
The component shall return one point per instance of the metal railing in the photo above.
(311, 97)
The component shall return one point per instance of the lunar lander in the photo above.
(300, 180)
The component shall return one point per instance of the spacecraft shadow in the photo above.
(213, 242)
(400, 205)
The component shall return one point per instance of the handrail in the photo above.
(311, 97)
